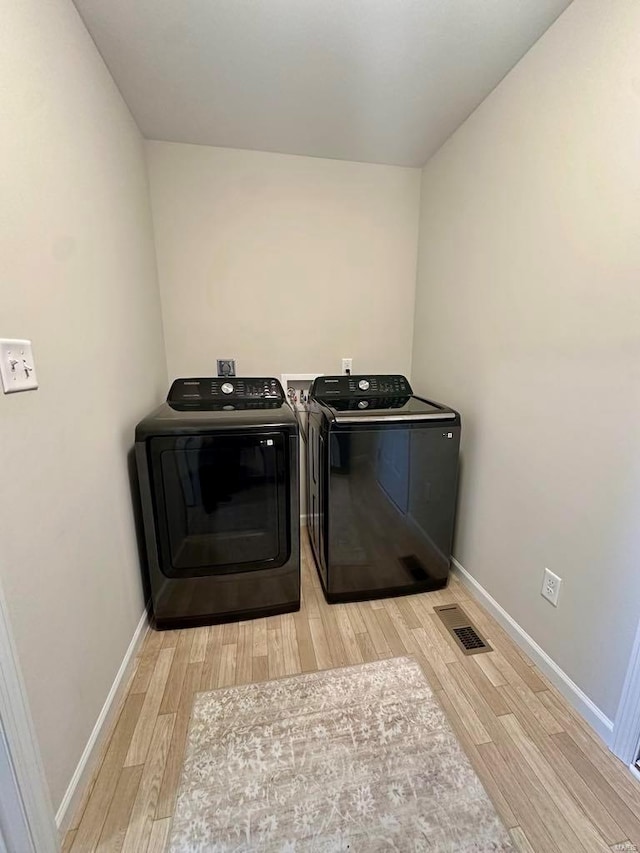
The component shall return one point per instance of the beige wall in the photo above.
(528, 320)
(78, 278)
(285, 263)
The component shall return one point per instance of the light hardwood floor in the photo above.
(555, 785)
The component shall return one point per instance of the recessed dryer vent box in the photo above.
(226, 367)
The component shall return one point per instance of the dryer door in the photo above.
(221, 502)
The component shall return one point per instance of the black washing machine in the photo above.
(382, 481)
(218, 471)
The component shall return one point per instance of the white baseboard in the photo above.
(304, 520)
(102, 729)
(579, 700)
(626, 725)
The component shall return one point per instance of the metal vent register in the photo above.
(462, 629)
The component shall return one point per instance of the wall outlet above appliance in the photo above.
(17, 369)
(551, 587)
(226, 367)
(347, 365)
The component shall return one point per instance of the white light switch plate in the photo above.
(17, 369)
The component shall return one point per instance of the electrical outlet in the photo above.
(347, 365)
(551, 587)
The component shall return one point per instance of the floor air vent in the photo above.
(462, 629)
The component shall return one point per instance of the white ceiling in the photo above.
(382, 81)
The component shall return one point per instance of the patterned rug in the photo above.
(354, 759)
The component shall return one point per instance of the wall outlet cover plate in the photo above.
(551, 587)
(17, 369)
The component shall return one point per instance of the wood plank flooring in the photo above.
(555, 785)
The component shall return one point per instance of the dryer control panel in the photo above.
(217, 389)
(375, 385)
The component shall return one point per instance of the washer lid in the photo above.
(364, 410)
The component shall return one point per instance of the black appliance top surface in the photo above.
(363, 409)
(383, 405)
(201, 405)
(363, 399)
(237, 405)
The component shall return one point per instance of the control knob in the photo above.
(363, 385)
(227, 388)
(363, 404)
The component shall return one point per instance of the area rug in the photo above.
(354, 759)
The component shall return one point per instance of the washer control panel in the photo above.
(376, 385)
(229, 388)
